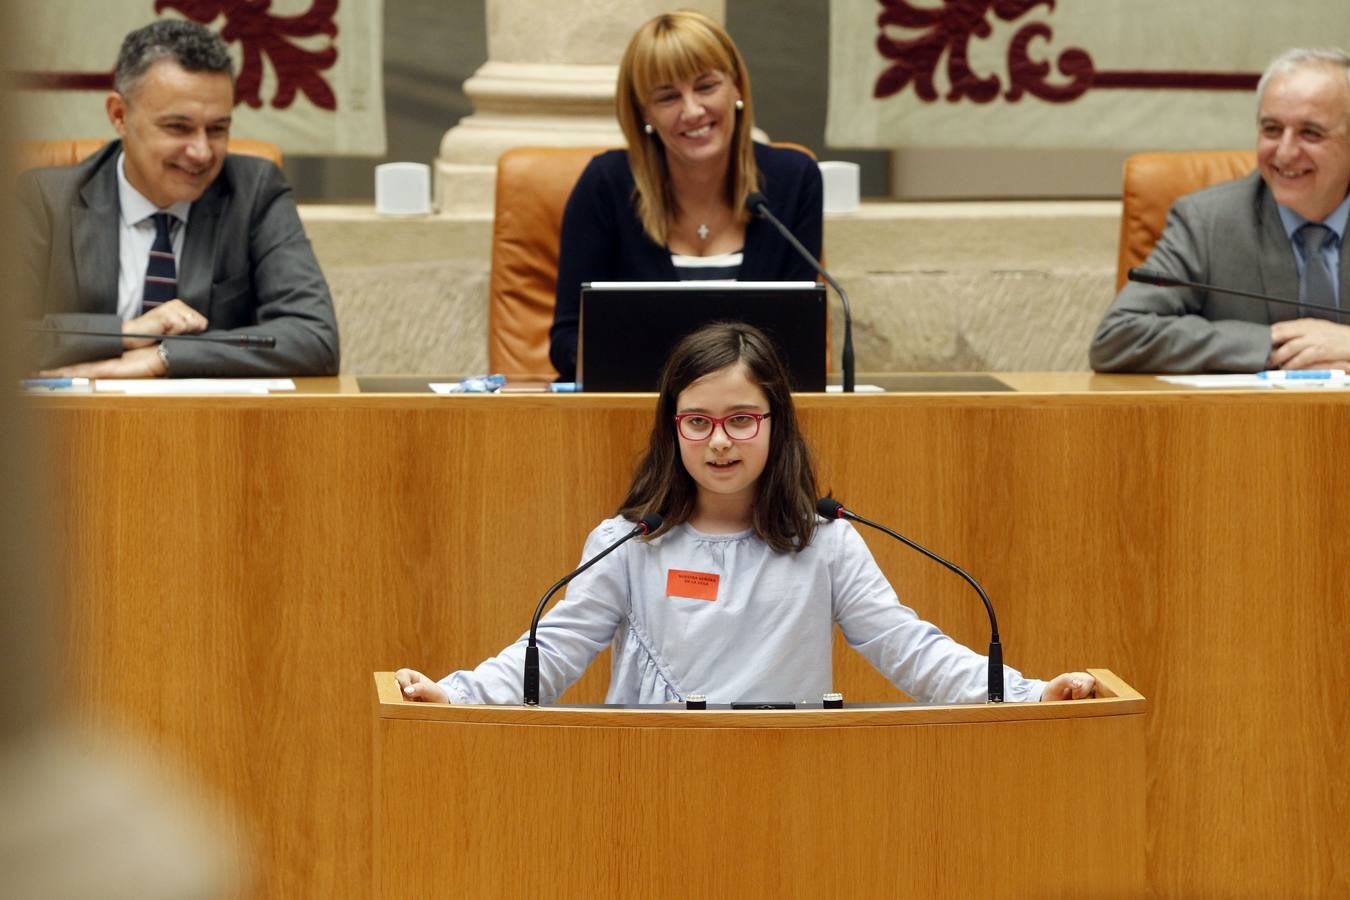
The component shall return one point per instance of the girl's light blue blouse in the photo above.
(767, 635)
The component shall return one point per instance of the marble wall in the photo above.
(934, 286)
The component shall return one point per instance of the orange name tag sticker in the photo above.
(694, 585)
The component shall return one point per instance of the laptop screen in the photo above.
(628, 329)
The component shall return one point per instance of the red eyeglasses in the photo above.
(741, 426)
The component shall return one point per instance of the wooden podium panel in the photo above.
(234, 568)
(1005, 800)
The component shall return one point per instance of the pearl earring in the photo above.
(647, 127)
(740, 105)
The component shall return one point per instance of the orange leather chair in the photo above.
(533, 184)
(1153, 181)
(39, 154)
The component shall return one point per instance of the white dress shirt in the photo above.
(136, 235)
(1331, 251)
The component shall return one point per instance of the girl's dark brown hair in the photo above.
(784, 513)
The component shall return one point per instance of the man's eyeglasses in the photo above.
(741, 426)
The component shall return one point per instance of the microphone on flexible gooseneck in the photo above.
(830, 508)
(234, 340)
(1162, 279)
(646, 525)
(758, 205)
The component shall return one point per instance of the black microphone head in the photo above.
(1149, 276)
(755, 201)
(830, 508)
(650, 522)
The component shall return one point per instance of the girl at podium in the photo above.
(734, 596)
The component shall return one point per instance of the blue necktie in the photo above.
(161, 274)
(1317, 287)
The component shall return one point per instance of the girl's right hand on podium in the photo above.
(416, 686)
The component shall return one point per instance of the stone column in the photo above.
(549, 80)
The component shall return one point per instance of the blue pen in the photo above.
(564, 387)
(55, 382)
(1302, 374)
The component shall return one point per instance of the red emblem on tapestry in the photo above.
(946, 31)
(260, 34)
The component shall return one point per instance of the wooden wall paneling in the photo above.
(236, 567)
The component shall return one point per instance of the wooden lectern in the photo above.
(1006, 800)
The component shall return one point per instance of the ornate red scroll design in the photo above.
(260, 34)
(948, 30)
(62, 81)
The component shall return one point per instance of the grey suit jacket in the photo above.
(246, 265)
(1227, 235)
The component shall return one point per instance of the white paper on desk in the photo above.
(1314, 384)
(180, 386)
(1244, 381)
(1217, 381)
(857, 388)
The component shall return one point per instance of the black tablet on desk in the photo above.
(628, 328)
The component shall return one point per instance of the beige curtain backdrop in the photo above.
(1134, 41)
(335, 109)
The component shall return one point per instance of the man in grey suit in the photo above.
(163, 233)
(1278, 231)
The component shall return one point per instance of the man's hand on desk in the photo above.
(1309, 344)
(174, 317)
(416, 686)
(142, 358)
(143, 362)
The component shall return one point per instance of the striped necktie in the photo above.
(1317, 287)
(161, 274)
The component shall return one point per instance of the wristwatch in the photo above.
(164, 356)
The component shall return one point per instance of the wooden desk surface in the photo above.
(1024, 382)
(273, 551)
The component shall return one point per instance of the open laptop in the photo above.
(628, 328)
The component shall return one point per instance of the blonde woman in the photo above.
(672, 206)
